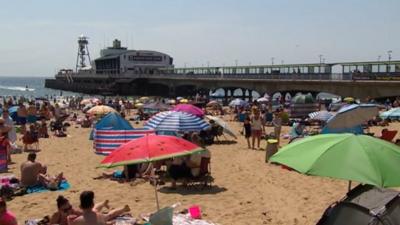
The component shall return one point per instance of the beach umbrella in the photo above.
(13, 109)
(144, 99)
(149, 148)
(352, 115)
(184, 100)
(238, 102)
(263, 99)
(139, 105)
(188, 108)
(320, 115)
(171, 101)
(348, 99)
(85, 101)
(100, 110)
(393, 113)
(223, 124)
(176, 121)
(214, 104)
(360, 158)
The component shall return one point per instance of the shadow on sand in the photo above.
(225, 142)
(193, 190)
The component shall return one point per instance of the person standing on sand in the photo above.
(89, 214)
(6, 217)
(246, 131)
(277, 123)
(257, 127)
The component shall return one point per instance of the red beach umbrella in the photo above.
(148, 149)
(188, 108)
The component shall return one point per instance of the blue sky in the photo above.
(39, 37)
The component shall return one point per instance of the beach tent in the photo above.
(301, 105)
(112, 131)
(365, 205)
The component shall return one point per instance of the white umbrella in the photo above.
(352, 115)
(238, 102)
(263, 99)
(223, 124)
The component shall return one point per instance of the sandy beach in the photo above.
(246, 190)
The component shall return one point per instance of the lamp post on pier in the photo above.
(272, 60)
(389, 58)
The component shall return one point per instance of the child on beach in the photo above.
(246, 131)
(6, 217)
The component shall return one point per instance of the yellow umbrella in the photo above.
(139, 105)
(144, 98)
(100, 110)
(183, 100)
(348, 99)
(137, 101)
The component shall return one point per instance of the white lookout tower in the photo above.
(83, 53)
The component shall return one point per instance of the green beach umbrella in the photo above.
(360, 158)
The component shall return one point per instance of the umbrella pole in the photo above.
(349, 187)
(155, 190)
(156, 193)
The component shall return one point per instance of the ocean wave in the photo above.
(16, 88)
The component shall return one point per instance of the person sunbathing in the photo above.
(50, 182)
(90, 215)
(65, 210)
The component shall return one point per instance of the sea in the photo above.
(29, 87)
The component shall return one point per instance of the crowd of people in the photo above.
(31, 121)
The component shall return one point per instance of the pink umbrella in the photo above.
(191, 109)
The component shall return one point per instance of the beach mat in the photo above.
(39, 188)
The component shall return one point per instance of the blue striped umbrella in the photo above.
(320, 115)
(176, 121)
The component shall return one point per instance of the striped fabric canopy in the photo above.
(176, 121)
(320, 115)
(105, 141)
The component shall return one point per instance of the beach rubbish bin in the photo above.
(272, 148)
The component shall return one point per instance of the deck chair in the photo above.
(31, 139)
(204, 179)
(388, 135)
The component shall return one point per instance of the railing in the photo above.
(289, 76)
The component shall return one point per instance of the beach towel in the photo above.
(185, 219)
(39, 188)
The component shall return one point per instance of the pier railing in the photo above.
(281, 76)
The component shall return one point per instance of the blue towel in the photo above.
(118, 174)
(39, 188)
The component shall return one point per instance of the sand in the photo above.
(246, 190)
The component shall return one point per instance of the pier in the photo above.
(374, 79)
